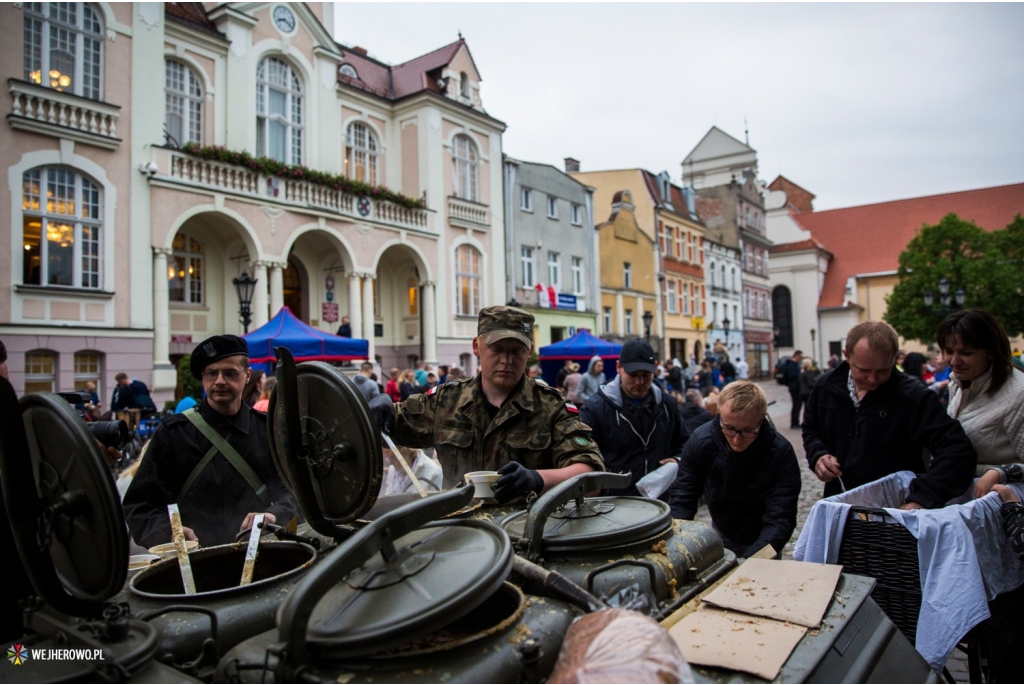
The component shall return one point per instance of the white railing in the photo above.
(239, 180)
(40, 109)
(470, 212)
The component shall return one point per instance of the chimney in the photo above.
(571, 165)
(359, 50)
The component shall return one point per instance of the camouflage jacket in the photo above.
(536, 427)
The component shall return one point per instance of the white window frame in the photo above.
(466, 163)
(577, 276)
(627, 322)
(282, 80)
(607, 319)
(362, 153)
(525, 199)
(529, 266)
(555, 270)
(191, 271)
(35, 370)
(468, 303)
(552, 204)
(183, 99)
(81, 227)
(627, 276)
(671, 302)
(575, 214)
(76, 27)
(84, 370)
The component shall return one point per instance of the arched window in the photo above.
(40, 371)
(348, 70)
(463, 84)
(467, 280)
(61, 229)
(361, 153)
(63, 47)
(713, 284)
(185, 270)
(465, 158)
(183, 104)
(88, 367)
(782, 306)
(278, 112)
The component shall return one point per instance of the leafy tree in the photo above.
(188, 384)
(987, 265)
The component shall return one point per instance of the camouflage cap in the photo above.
(496, 323)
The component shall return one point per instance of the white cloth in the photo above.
(427, 471)
(994, 424)
(965, 559)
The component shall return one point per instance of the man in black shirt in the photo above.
(213, 460)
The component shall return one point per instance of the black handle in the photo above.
(574, 488)
(588, 580)
(379, 536)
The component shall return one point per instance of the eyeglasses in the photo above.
(732, 432)
(229, 375)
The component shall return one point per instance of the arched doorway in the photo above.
(294, 279)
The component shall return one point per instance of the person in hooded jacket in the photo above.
(636, 425)
(693, 412)
(748, 471)
(591, 381)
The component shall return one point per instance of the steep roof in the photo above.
(870, 238)
(193, 15)
(716, 143)
(401, 80)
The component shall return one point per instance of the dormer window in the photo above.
(348, 70)
(464, 85)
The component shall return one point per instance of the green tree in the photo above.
(987, 265)
(188, 384)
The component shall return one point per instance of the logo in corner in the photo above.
(17, 654)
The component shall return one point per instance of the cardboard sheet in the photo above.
(725, 639)
(794, 591)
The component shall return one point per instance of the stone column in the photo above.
(161, 303)
(429, 333)
(368, 318)
(355, 313)
(276, 287)
(259, 296)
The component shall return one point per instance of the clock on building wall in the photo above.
(284, 19)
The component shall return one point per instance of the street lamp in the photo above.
(647, 317)
(725, 324)
(244, 286)
(945, 298)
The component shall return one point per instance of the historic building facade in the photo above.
(725, 297)
(158, 151)
(553, 269)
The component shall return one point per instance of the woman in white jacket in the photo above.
(986, 392)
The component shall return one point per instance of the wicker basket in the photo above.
(876, 545)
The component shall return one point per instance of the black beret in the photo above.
(214, 349)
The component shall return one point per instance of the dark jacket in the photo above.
(792, 373)
(888, 432)
(752, 495)
(807, 380)
(675, 379)
(694, 416)
(345, 330)
(135, 395)
(634, 438)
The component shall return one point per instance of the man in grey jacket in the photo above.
(591, 380)
(368, 387)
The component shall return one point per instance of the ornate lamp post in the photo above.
(647, 317)
(244, 286)
(725, 324)
(945, 298)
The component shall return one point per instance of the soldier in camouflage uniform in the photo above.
(500, 419)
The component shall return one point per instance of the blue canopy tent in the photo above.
(579, 348)
(304, 342)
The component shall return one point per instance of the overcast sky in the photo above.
(857, 103)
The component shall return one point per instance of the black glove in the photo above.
(383, 410)
(516, 480)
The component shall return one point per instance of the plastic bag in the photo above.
(619, 646)
(655, 483)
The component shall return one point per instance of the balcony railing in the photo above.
(239, 180)
(51, 112)
(465, 212)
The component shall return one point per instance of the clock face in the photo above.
(284, 19)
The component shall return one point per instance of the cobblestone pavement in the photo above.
(811, 491)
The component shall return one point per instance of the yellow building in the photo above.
(666, 215)
(629, 274)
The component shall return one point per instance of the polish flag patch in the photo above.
(572, 407)
(432, 390)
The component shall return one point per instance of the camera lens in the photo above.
(110, 433)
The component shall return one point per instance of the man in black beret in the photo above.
(212, 460)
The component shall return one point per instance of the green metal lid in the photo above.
(65, 513)
(324, 443)
(429, 578)
(597, 523)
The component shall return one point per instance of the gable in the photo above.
(716, 144)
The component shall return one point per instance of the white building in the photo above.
(386, 180)
(723, 275)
